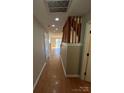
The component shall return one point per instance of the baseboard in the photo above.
(39, 76)
(63, 66)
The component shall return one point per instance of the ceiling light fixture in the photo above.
(57, 19)
(53, 25)
(56, 28)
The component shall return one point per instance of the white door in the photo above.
(87, 76)
(86, 57)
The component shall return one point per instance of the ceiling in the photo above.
(46, 18)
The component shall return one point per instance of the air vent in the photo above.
(58, 5)
(58, 9)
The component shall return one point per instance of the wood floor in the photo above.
(54, 81)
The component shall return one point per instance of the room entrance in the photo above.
(58, 43)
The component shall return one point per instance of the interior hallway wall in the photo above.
(39, 51)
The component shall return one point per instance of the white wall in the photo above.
(39, 53)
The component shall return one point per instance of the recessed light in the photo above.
(53, 25)
(56, 19)
(56, 82)
(56, 28)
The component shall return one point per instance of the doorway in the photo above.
(58, 43)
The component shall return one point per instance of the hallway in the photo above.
(53, 80)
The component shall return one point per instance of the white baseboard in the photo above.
(39, 76)
(63, 66)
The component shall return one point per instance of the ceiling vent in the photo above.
(58, 5)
